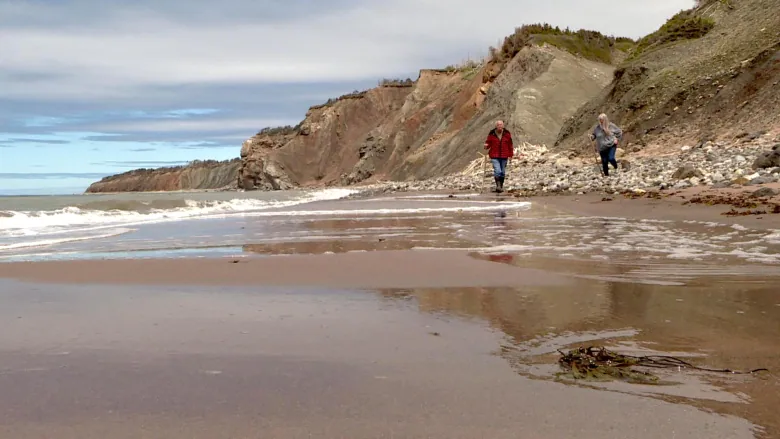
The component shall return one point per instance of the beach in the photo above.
(435, 315)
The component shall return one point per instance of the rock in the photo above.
(685, 172)
(764, 192)
(685, 148)
(768, 159)
(740, 159)
(722, 185)
(682, 184)
(740, 181)
(620, 152)
(625, 165)
(694, 181)
(761, 180)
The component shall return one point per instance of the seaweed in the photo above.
(596, 363)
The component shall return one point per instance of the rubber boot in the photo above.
(501, 184)
(498, 184)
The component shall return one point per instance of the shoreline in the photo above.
(372, 269)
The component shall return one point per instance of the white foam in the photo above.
(48, 242)
(68, 219)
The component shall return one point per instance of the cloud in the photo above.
(143, 149)
(99, 53)
(49, 175)
(206, 75)
(14, 141)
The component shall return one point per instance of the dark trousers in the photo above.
(607, 157)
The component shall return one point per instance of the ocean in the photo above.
(333, 220)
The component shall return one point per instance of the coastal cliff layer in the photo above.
(209, 174)
(710, 73)
(433, 126)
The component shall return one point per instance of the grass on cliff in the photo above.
(591, 45)
(685, 25)
(272, 131)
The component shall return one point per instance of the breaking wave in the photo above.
(98, 215)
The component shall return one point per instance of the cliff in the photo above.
(409, 130)
(429, 127)
(711, 72)
(207, 174)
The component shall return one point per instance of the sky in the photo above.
(90, 88)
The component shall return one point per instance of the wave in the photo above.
(49, 242)
(109, 214)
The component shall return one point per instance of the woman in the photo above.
(607, 135)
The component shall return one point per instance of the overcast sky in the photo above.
(96, 87)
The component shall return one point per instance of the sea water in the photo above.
(240, 224)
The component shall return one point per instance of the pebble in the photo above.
(544, 171)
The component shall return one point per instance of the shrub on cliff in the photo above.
(588, 44)
(385, 82)
(685, 25)
(284, 130)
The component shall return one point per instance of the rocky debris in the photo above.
(536, 171)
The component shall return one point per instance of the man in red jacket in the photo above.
(500, 146)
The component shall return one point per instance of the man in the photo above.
(500, 146)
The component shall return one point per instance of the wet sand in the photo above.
(387, 342)
(87, 361)
(375, 269)
(671, 208)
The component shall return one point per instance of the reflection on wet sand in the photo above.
(719, 322)
(84, 362)
(327, 235)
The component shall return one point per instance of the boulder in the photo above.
(769, 159)
(761, 180)
(686, 172)
(764, 192)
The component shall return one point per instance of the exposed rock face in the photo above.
(431, 127)
(257, 171)
(713, 87)
(197, 175)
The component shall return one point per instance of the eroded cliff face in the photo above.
(432, 127)
(197, 175)
(692, 89)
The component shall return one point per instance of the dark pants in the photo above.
(607, 157)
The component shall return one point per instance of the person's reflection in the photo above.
(499, 218)
(504, 258)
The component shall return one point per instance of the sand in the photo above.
(85, 361)
(379, 269)
(382, 344)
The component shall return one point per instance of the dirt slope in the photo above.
(431, 127)
(677, 89)
(197, 175)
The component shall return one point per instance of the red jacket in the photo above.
(502, 148)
